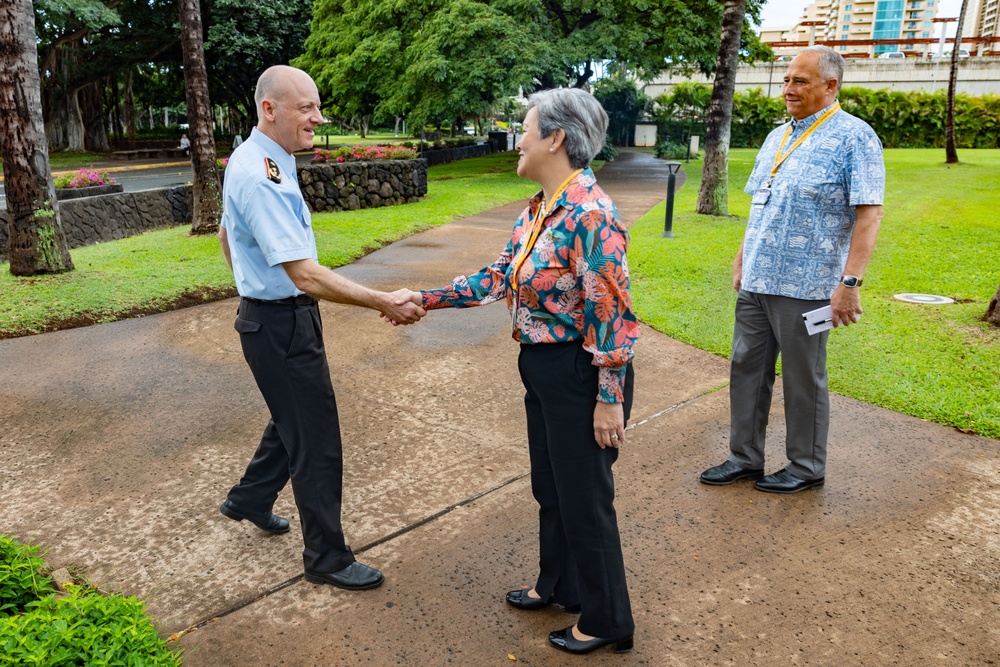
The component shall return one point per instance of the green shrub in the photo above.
(669, 150)
(913, 119)
(20, 582)
(608, 153)
(85, 629)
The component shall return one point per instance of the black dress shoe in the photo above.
(266, 521)
(785, 482)
(565, 641)
(522, 600)
(354, 577)
(728, 473)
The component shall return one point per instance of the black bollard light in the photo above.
(668, 224)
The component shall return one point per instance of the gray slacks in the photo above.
(766, 325)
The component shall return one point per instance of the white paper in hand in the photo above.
(818, 320)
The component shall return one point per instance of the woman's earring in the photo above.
(551, 149)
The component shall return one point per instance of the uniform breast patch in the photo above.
(273, 173)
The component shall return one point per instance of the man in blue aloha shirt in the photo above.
(817, 187)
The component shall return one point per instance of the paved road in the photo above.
(146, 178)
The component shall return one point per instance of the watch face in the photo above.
(850, 281)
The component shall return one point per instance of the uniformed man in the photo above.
(268, 242)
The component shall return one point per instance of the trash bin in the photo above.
(498, 141)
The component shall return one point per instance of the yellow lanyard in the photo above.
(779, 157)
(536, 228)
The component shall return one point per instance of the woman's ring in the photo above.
(614, 436)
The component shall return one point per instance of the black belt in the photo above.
(300, 300)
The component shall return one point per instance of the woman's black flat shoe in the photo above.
(522, 600)
(565, 641)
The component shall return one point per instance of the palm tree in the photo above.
(714, 193)
(37, 242)
(207, 209)
(951, 155)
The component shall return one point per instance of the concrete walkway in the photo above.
(118, 441)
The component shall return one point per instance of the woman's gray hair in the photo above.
(831, 63)
(581, 117)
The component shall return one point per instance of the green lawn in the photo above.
(149, 273)
(321, 141)
(940, 235)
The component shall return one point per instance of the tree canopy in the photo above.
(444, 59)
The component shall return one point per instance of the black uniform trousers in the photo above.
(580, 554)
(283, 345)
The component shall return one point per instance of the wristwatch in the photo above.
(851, 281)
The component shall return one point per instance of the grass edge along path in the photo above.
(940, 235)
(169, 268)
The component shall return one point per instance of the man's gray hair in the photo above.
(581, 117)
(831, 63)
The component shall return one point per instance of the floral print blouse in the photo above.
(574, 284)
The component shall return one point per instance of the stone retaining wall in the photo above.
(90, 220)
(446, 155)
(326, 187)
(339, 186)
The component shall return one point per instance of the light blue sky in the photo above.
(784, 13)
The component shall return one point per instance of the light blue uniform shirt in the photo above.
(266, 222)
(796, 244)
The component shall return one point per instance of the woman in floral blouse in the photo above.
(565, 279)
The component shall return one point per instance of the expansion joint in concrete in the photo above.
(417, 524)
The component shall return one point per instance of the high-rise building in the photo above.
(982, 20)
(867, 19)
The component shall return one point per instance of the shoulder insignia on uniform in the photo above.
(273, 174)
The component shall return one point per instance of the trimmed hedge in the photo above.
(901, 120)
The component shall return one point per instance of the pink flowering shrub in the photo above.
(84, 178)
(220, 163)
(363, 152)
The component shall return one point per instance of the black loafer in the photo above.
(522, 600)
(266, 521)
(565, 641)
(728, 473)
(354, 577)
(785, 482)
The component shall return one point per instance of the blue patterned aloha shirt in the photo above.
(796, 244)
(574, 285)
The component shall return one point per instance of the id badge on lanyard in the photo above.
(763, 194)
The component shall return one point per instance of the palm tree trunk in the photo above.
(951, 154)
(37, 242)
(207, 193)
(713, 197)
(993, 311)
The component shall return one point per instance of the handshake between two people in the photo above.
(403, 306)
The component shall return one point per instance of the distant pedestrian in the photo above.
(185, 144)
(817, 187)
(267, 239)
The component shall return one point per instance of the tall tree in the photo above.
(207, 209)
(37, 242)
(451, 58)
(74, 118)
(951, 154)
(624, 102)
(713, 196)
(241, 42)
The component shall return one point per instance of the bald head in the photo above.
(281, 82)
(288, 107)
